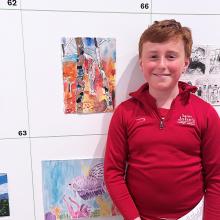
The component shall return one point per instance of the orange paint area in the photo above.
(89, 87)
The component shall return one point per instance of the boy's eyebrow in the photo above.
(152, 51)
(172, 51)
(169, 51)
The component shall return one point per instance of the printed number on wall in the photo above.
(144, 5)
(12, 2)
(22, 133)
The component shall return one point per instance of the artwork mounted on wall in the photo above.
(4, 201)
(75, 189)
(88, 74)
(204, 73)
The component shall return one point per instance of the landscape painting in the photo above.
(4, 201)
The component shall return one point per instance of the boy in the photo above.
(163, 149)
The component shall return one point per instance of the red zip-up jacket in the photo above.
(161, 168)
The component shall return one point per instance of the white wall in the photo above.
(31, 89)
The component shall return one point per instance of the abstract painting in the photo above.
(88, 66)
(75, 189)
(4, 202)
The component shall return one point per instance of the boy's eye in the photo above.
(171, 56)
(153, 57)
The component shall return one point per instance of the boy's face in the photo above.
(163, 63)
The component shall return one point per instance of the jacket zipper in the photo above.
(161, 123)
(162, 120)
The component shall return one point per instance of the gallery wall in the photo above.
(34, 127)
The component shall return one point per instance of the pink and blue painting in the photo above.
(75, 189)
(4, 202)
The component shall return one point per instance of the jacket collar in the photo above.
(143, 95)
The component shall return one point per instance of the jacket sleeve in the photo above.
(115, 165)
(211, 165)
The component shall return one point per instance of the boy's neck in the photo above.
(164, 98)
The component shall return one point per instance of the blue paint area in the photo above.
(4, 196)
(3, 178)
(72, 57)
(114, 55)
(89, 41)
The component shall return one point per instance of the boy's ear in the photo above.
(140, 64)
(187, 61)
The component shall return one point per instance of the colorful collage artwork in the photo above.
(88, 74)
(75, 189)
(204, 72)
(4, 202)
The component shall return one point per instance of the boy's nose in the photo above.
(162, 62)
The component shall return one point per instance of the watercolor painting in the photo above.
(4, 201)
(88, 66)
(75, 189)
(204, 72)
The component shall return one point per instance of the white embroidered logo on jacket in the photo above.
(140, 119)
(186, 120)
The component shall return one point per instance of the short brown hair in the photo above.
(161, 31)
